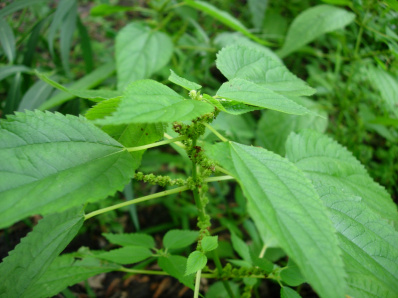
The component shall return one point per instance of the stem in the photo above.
(215, 132)
(139, 148)
(179, 144)
(219, 269)
(218, 178)
(262, 253)
(220, 169)
(195, 191)
(197, 284)
(139, 200)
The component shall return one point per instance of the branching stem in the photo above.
(139, 148)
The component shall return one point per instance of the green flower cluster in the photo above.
(159, 180)
(229, 272)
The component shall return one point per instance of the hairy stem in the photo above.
(139, 148)
(139, 200)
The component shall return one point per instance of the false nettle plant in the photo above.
(316, 202)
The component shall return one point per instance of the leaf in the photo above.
(34, 254)
(229, 106)
(35, 96)
(66, 271)
(13, 95)
(7, 40)
(224, 18)
(291, 275)
(217, 290)
(257, 66)
(387, 85)
(91, 80)
(140, 52)
(312, 23)
(369, 244)
(68, 27)
(273, 127)
(143, 240)
(126, 255)
(257, 10)
(327, 163)
(250, 93)
(209, 243)
(55, 162)
(103, 10)
(196, 261)
(183, 82)
(288, 205)
(93, 95)
(179, 238)
(9, 70)
(241, 248)
(17, 5)
(147, 101)
(175, 266)
(289, 293)
(85, 43)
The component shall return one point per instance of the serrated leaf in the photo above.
(209, 243)
(257, 66)
(93, 95)
(7, 40)
(133, 239)
(66, 271)
(312, 23)
(175, 266)
(274, 127)
(55, 162)
(30, 259)
(290, 208)
(241, 248)
(147, 101)
(196, 261)
(369, 244)
(183, 82)
(244, 91)
(289, 293)
(179, 238)
(325, 162)
(140, 52)
(126, 255)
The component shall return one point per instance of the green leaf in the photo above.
(35, 96)
(387, 85)
(257, 66)
(147, 101)
(292, 275)
(179, 238)
(196, 261)
(250, 93)
(68, 27)
(9, 70)
(289, 293)
(257, 10)
(17, 5)
(288, 205)
(217, 290)
(183, 82)
(66, 271)
(103, 10)
(312, 23)
(93, 95)
(369, 244)
(140, 52)
(126, 255)
(224, 18)
(7, 40)
(55, 162)
(229, 106)
(209, 243)
(13, 95)
(34, 254)
(85, 43)
(175, 266)
(91, 80)
(143, 240)
(241, 248)
(274, 127)
(325, 162)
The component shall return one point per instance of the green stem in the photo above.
(197, 284)
(218, 178)
(222, 170)
(195, 191)
(179, 144)
(219, 268)
(139, 148)
(215, 132)
(139, 200)
(262, 253)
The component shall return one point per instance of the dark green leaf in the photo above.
(7, 40)
(35, 96)
(6, 71)
(292, 275)
(175, 266)
(126, 255)
(17, 5)
(143, 240)
(241, 248)
(289, 293)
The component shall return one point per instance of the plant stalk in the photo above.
(139, 148)
(215, 132)
(197, 284)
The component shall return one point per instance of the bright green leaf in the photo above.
(229, 106)
(134, 239)
(7, 40)
(250, 93)
(147, 101)
(292, 275)
(140, 52)
(183, 82)
(175, 266)
(179, 238)
(325, 162)
(288, 205)
(312, 23)
(126, 255)
(241, 248)
(34, 254)
(196, 261)
(257, 66)
(55, 162)
(103, 10)
(209, 243)
(289, 293)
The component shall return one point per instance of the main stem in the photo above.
(197, 284)
(196, 194)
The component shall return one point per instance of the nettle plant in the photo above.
(317, 203)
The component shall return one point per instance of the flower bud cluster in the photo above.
(159, 180)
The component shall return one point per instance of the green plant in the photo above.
(312, 212)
